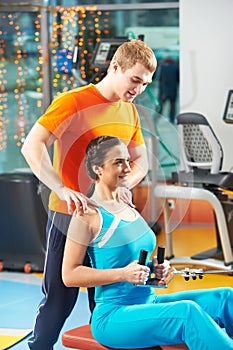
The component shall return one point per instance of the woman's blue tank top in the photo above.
(118, 244)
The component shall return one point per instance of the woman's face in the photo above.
(114, 172)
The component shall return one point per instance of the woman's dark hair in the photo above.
(96, 152)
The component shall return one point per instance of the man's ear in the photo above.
(114, 65)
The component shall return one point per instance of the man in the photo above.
(168, 77)
(72, 120)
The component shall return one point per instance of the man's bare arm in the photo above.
(35, 151)
(139, 165)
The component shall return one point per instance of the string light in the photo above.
(20, 120)
(4, 111)
(40, 60)
(4, 121)
(21, 74)
(88, 23)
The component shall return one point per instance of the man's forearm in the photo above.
(40, 163)
(139, 165)
(137, 173)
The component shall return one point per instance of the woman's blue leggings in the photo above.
(202, 319)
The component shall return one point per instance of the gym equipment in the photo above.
(201, 178)
(82, 339)
(23, 221)
(228, 112)
(142, 256)
(103, 53)
(187, 273)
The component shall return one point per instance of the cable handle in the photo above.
(160, 254)
(142, 257)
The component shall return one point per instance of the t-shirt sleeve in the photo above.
(59, 114)
(137, 138)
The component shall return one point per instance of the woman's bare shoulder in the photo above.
(91, 218)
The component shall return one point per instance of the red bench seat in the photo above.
(82, 339)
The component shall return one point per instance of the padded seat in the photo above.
(82, 339)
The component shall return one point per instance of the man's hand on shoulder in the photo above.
(76, 201)
(125, 195)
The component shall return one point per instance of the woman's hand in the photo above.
(135, 273)
(163, 272)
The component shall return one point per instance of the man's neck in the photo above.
(104, 87)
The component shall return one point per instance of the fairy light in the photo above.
(63, 33)
(106, 23)
(4, 121)
(37, 25)
(21, 75)
(21, 124)
(90, 24)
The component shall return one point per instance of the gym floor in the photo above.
(21, 293)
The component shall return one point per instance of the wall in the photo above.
(206, 64)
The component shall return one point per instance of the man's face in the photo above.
(132, 82)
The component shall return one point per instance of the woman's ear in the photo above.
(96, 169)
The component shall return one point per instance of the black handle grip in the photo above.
(160, 254)
(142, 257)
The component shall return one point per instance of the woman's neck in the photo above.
(104, 195)
(114, 205)
(108, 200)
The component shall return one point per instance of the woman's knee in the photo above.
(189, 308)
(228, 291)
(224, 294)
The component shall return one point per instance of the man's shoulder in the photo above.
(85, 95)
(79, 91)
(74, 92)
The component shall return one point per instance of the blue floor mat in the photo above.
(18, 306)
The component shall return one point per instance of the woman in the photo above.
(129, 314)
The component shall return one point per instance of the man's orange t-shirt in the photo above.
(75, 118)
